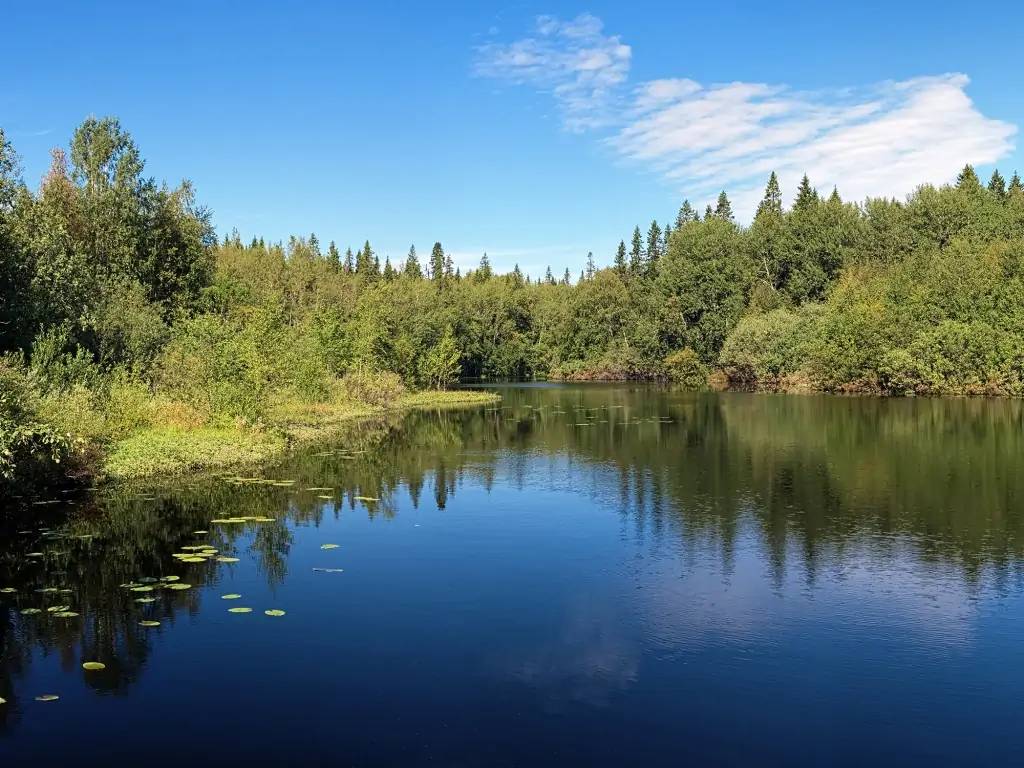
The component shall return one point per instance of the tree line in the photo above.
(116, 294)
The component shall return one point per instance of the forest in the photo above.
(130, 332)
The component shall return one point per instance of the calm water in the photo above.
(600, 575)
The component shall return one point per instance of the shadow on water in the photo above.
(815, 479)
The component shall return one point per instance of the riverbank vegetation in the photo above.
(130, 334)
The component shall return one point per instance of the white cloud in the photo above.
(572, 59)
(877, 140)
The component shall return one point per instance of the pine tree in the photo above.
(1016, 187)
(591, 269)
(723, 210)
(437, 264)
(636, 255)
(997, 185)
(686, 214)
(806, 195)
(968, 179)
(485, 270)
(653, 247)
(620, 259)
(771, 204)
(412, 264)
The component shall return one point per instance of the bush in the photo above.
(765, 349)
(28, 446)
(685, 367)
(378, 388)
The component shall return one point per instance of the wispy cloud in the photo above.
(579, 64)
(876, 140)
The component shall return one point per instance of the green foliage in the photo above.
(28, 446)
(685, 367)
(440, 367)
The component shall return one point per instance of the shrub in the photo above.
(28, 446)
(685, 367)
(378, 388)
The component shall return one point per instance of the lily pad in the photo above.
(179, 586)
(149, 623)
(232, 596)
(329, 546)
(47, 697)
(170, 578)
(274, 612)
(145, 600)
(65, 614)
(227, 559)
(193, 559)
(93, 666)
(30, 611)
(199, 533)
(239, 610)
(366, 498)
(8, 591)
(58, 608)
(146, 588)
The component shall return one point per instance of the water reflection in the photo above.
(704, 527)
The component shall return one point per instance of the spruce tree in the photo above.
(389, 271)
(1016, 187)
(653, 247)
(566, 278)
(806, 195)
(437, 264)
(686, 214)
(333, 256)
(968, 179)
(771, 203)
(723, 210)
(349, 265)
(620, 259)
(665, 238)
(412, 264)
(708, 213)
(636, 255)
(548, 277)
(997, 185)
(485, 270)
(314, 245)
(591, 269)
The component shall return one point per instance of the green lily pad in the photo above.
(142, 589)
(93, 666)
(329, 546)
(179, 586)
(199, 533)
(232, 596)
(193, 559)
(145, 600)
(239, 610)
(65, 614)
(149, 623)
(3, 701)
(58, 608)
(170, 578)
(8, 591)
(47, 697)
(227, 559)
(274, 612)
(30, 611)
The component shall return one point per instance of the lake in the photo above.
(581, 575)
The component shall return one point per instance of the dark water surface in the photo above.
(587, 575)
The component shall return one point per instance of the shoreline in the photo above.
(165, 451)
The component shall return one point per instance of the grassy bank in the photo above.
(173, 450)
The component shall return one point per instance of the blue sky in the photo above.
(534, 131)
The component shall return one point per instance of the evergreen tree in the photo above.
(438, 262)
(708, 212)
(485, 270)
(806, 195)
(968, 179)
(389, 271)
(686, 214)
(666, 237)
(636, 255)
(620, 259)
(333, 256)
(772, 201)
(412, 264)
(314, 245)
(349, 265)
(997, 185)
(723, 210)
(1016, 187)
(548, 277)
(591, 269)
(653, 247)
(566, 278)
